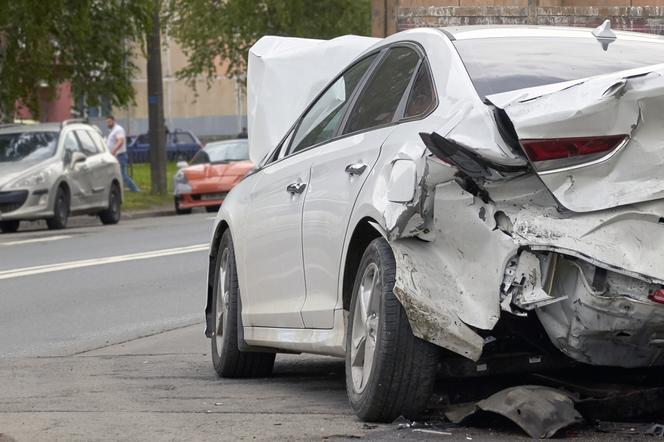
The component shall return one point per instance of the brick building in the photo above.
(390, 16)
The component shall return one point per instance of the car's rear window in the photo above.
(508, 63)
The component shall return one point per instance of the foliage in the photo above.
(213, 30)
(88, 42)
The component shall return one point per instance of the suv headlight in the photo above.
(180, 183)
(33, 180)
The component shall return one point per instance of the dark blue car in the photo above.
(180, 145)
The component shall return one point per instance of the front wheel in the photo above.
(112, 214)
(389, 372)
(228, 360)
(178, 210)
(9, 226)
(60, 210)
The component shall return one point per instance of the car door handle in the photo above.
(356, 169)
(296, 188)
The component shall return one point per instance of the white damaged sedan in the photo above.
(482, 199)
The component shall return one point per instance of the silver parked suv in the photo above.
(49, 171)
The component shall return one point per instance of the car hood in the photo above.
(10, 171)
(204, 171)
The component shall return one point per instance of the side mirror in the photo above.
(181, 164)
(78, 157)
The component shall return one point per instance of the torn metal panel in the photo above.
(593, 236)
(605, 318)
(524, 284)
(453, 282)
(539, 411)
(628, 102)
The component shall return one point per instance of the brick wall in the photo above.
(390, 16)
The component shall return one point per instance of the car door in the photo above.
(78, 173)
(338, 174)
(98, 167)
(274, 287)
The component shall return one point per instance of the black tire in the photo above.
(212, 209)
(401, 377)
(114, 211)
(60, 210)
(9, 226)
(228, 360)
(178, 210)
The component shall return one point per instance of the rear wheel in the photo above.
(9, 226)
(112, 214)
(389, 372)
(60, 210)
(178, 210)
(228, 360)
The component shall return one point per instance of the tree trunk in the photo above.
(157, 129)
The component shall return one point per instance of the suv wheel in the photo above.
(228, 360)
(389, 372)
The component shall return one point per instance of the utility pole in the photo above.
(157, 130)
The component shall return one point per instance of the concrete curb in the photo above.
(148, 213)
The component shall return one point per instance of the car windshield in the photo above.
(504, 64)
(222, 152)
(27, 146)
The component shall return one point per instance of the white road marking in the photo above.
(28, 271)
(211, 217)
(33, 240)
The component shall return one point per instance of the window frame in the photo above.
(398, 113)
(285, 151)
(380, 54)
(81, 143)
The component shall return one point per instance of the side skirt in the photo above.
(329, 342)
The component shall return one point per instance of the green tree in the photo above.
(87, 42)
(210, 30)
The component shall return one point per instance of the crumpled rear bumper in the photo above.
(451, 272)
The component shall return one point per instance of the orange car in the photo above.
(210, 175)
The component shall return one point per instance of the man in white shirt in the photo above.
(117, 145)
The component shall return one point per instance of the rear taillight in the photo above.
(657, 296)
(557, 153)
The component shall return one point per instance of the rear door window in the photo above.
(379, 101)
(422, 97)
(321, 122)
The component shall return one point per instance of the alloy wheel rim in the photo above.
(222, 300)
(365, 327)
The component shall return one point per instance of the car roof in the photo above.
(527, 31)
(41, 127)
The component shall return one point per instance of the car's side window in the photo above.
(99, 141)
(321, 122)
(88, 146)
(70, 145)
(422, 96)
(379, 101)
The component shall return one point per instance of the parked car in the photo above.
(49, 171)
(210, 175)
(485, 198)
(180, 145)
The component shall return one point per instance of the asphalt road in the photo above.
(101, 338)
(64, 292)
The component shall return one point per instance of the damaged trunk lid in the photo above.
(596, 143)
